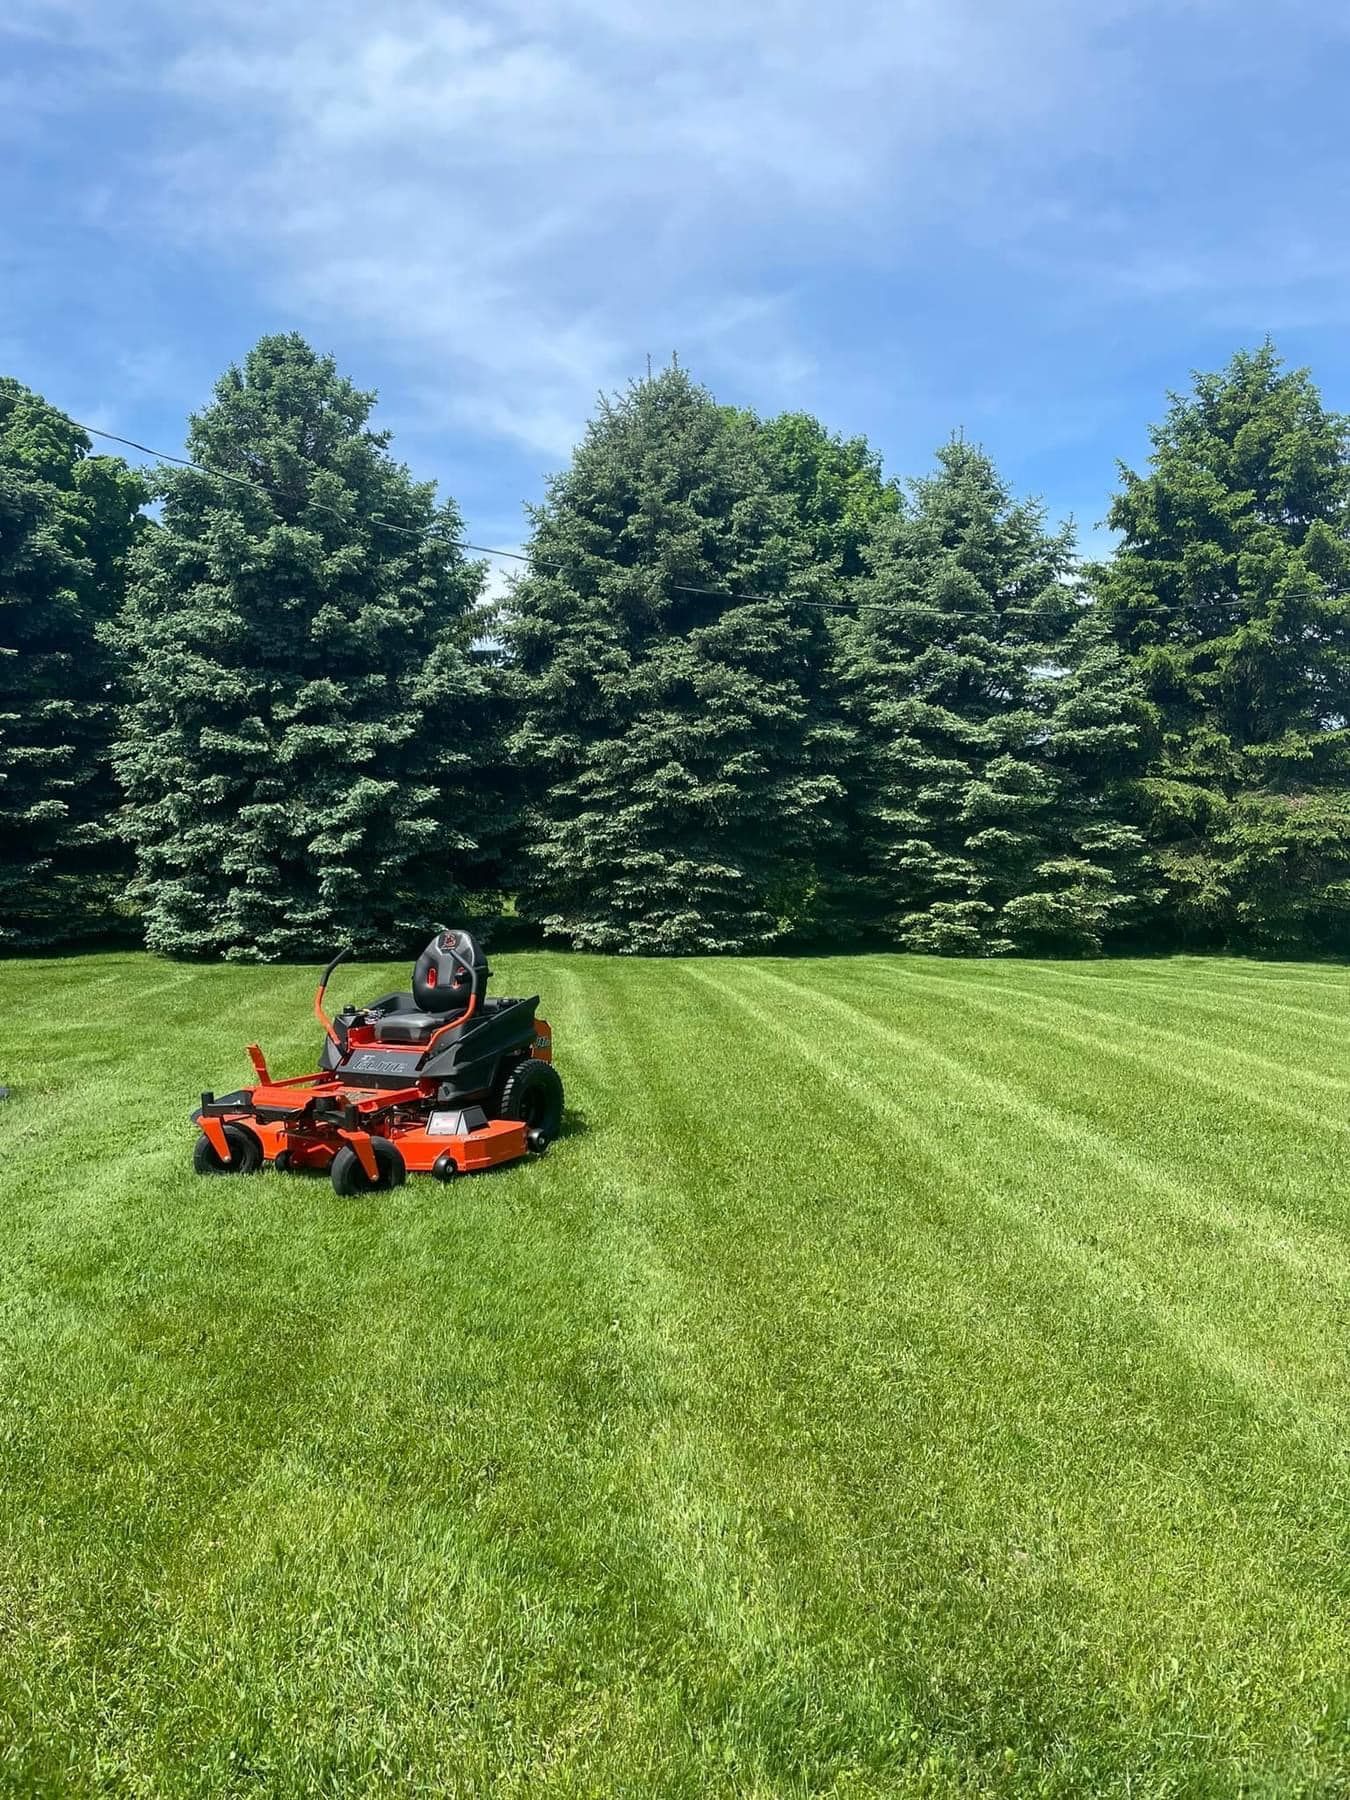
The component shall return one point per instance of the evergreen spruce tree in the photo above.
(990, 718)
(676, 752)
(67, 519)
(839, 500)
(1095, 881)
(1229, 590)
(307, 712)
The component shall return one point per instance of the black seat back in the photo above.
(449, 972)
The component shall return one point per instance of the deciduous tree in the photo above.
(838, 494)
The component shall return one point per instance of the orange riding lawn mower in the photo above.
(440, 1080)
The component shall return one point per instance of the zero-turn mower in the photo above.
(440, 1080)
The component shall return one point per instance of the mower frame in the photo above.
(424, 1100)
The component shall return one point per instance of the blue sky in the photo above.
(1024, 218)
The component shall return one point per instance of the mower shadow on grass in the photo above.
(575, 1124)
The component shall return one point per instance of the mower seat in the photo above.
(450, 975)
(411, 1027)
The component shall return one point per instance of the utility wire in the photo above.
(427, 533)
(431, 535)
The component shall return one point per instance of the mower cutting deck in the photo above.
(440, 1080)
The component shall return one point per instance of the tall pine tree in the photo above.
(990, 719)
(1231, 592)
(675, 748)
(1094, 882)
(308, 712)
(67, 519)
(839, 501)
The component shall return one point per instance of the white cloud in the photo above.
(523, 201)
(518, 202)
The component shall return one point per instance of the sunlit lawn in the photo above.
(906, 1377)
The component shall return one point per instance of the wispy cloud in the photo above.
(526, 200)
(907, 214)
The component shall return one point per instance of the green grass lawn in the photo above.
(906, 1378)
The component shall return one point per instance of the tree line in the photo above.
(748, 690)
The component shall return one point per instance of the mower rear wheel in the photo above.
(533, 1094)
(350, 1179)
(245, 1153)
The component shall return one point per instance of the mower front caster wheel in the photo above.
(245, 1153)
(350, 1179)
(445, 1168)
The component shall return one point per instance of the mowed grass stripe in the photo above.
(1211, 1015)
(1242, 1248)
(692, 1519)
(1059, 1216)
(1221, 1133)
(933, 1517)
(1227, 1000)
(801, 1097)
(1244, 1026)
(1164, 1362)
(1217, 1038)
(770, 1674)
(1088, 1098)
(760, 1440)
(1232, 972)
(1075, 1246)
(1159, 1074)
(769, 1698)
(971, 1083)
(1007, 1098)
(1255, 1261)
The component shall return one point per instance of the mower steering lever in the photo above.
(319, 1013)
(327, 975)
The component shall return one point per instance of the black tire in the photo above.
(245, 1154)
(533, 1093)
(350, 1179)
(445, 1168)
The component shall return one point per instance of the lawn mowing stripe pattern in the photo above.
(903, 1378)
(1096, 1260)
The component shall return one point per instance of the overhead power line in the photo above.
(426, 533)
(429, 534)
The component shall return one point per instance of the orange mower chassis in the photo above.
(281, 1118)
(403, 1086)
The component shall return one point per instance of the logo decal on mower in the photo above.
(372, 1062)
